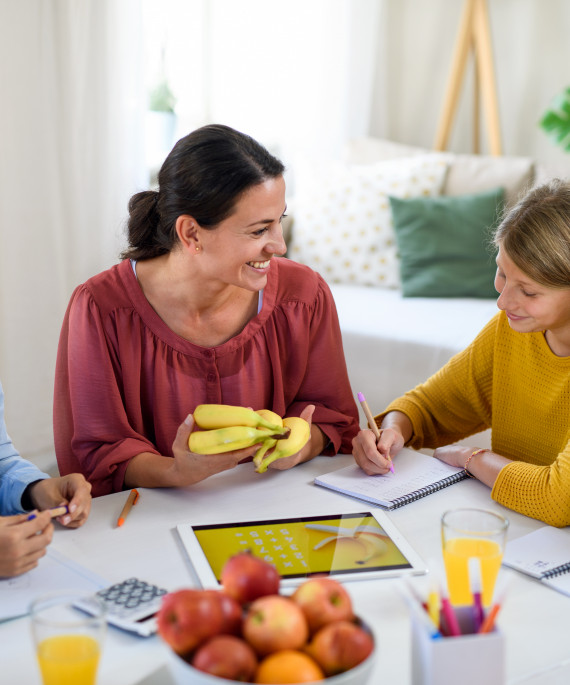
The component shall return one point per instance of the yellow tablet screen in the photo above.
(301, 547)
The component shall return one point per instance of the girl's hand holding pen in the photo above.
(23, 541)
(374, 455)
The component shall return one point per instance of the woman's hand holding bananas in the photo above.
(188, 467)
(295, 449)
(228, 429)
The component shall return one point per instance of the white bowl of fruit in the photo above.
(249, 632)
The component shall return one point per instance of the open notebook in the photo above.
(543, 554)
(416, 475)
(53, 572)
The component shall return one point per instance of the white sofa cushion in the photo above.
(343, 222)
(468, 174)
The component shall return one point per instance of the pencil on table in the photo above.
(131, 501)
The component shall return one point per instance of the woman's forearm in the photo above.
(149, 470)
(400, 422)
(486, 465)
(317, 442)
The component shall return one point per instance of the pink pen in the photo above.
(371, 422)
(475, 584)
(447, 610)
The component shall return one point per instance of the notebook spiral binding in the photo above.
(557, 571)
(429, 489)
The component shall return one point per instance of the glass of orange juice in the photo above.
(467, 534)
(68, 641)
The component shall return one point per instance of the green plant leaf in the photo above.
(161, 98)
(556, 120)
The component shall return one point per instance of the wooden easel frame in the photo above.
(474, 33)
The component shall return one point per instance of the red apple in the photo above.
(231, 611)
(226, 656)
(323, 600)
(246, 577)
(275, 622)
(187, 618)
(340, 646)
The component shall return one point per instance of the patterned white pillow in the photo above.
(342, 219)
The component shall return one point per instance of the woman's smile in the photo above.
(261, 266)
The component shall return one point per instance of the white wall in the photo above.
(532, 65)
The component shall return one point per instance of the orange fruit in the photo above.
(288, 666)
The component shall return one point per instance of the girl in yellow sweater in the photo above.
(513, 378)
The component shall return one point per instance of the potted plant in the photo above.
(161, 98)
(556, 120)
(160, 123)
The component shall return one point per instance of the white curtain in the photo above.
(70, 106)
(298, 75)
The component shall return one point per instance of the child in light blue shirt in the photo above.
(23, 488)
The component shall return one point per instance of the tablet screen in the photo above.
(353, 544)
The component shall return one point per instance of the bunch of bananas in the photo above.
(228, 428)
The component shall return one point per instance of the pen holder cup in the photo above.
(469, 659)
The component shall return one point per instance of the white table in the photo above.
(535, 619)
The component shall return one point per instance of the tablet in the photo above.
(353, 546)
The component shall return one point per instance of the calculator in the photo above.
(131, 605)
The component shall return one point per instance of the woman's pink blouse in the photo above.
(125, 381)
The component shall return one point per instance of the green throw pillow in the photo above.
(443, 244)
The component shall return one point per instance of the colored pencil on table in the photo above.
(131, 501)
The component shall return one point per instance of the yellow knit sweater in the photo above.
(513, 383)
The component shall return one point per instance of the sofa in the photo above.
(354, 220)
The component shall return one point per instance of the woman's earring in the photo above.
(197, 248)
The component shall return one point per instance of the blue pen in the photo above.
(56, 511)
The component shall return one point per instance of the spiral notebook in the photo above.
(543, 554)
(416, 475)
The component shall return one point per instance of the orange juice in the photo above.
(68, 660)
(456, 554)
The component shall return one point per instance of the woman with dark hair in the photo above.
(513, 378)
(200, 310)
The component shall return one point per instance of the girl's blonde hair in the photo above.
(535, 233)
